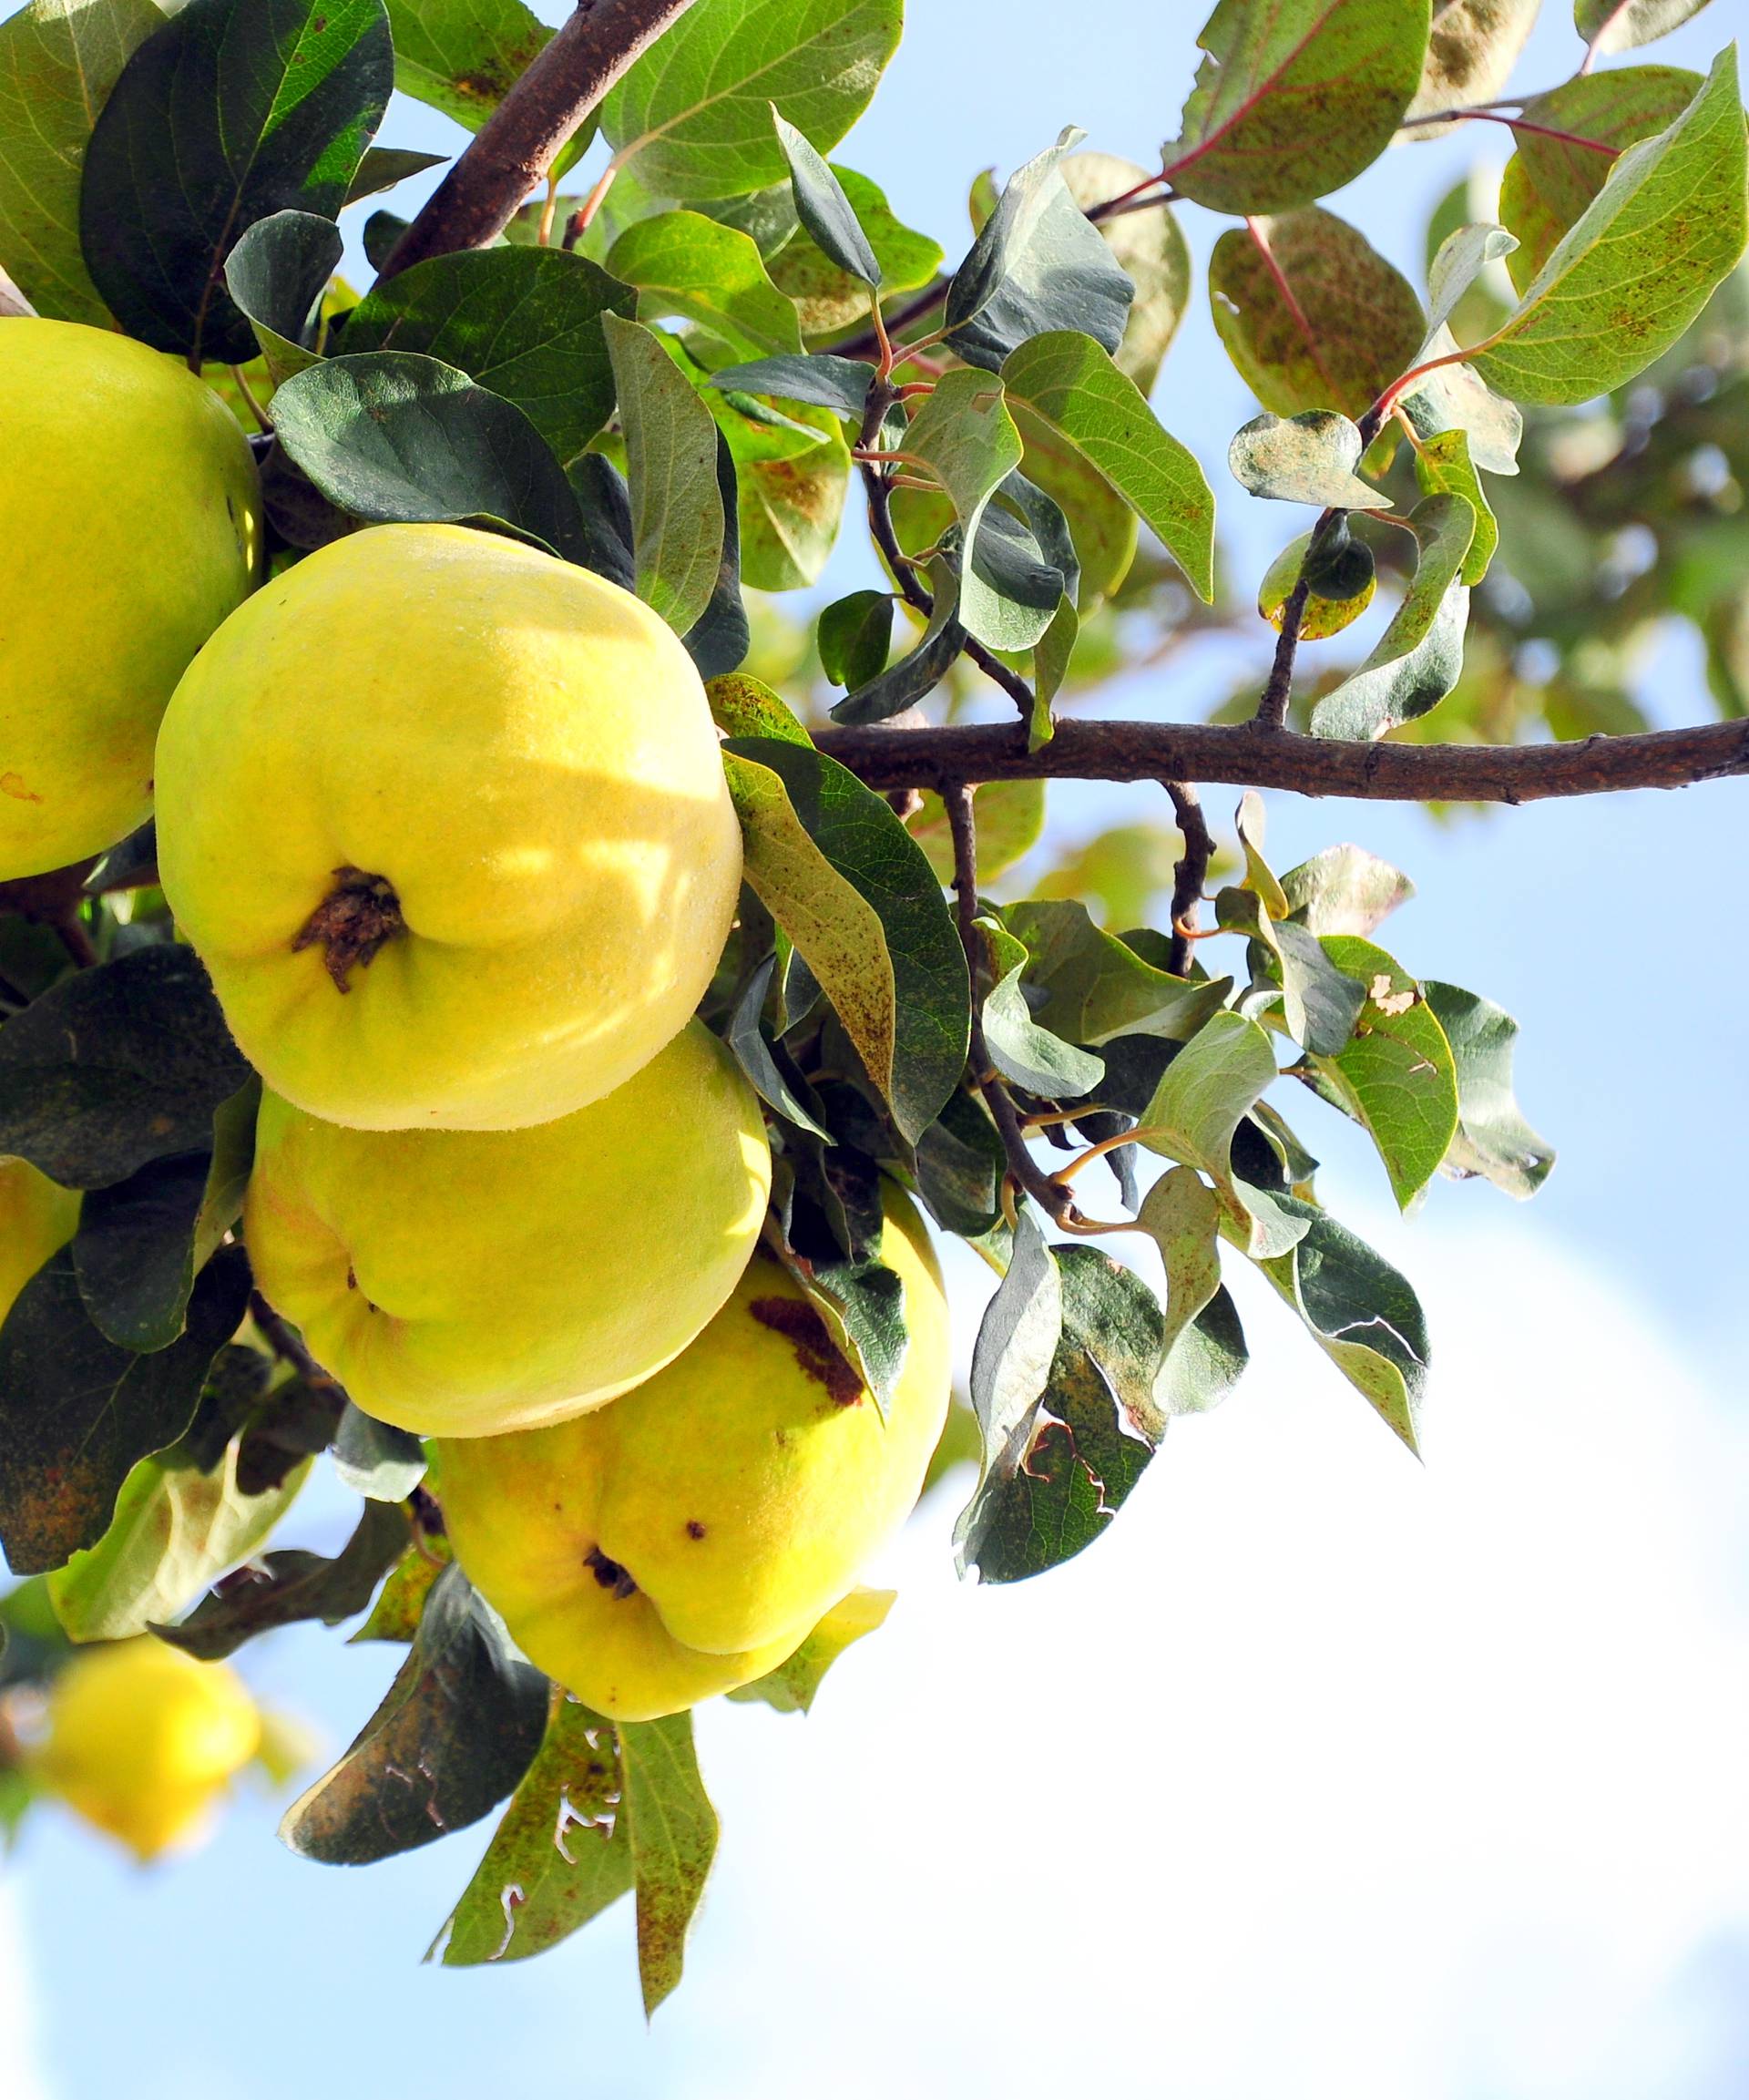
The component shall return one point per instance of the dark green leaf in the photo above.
(524, 321)
(840, 384)
(385, 166)
(375, 1460)
(276, 275)
(718, 641)
(459, 1727)
(829, 299)
(78, 1413)
(605, 506)
(917, 673)
(400, 439)
(1027, 1055)
(560, 1857)
(234, 110)
(855, 636)
(1150, 248)
(116, 1066)
(822, 207)
(778, 1088)
(1419, 657)
(1011, 1360)
(961, 1166)
(287, 1588)
(1037, 266)
(1493, 1138)
(677, 513)
(1096, 985)
(134, 1251)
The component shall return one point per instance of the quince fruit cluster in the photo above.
(445, 819)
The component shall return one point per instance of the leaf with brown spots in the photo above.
(672, 1829)
(462, 59)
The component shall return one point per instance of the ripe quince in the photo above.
(446, 821)
(142, 1740)
(464, 1282)
(130, 520)
(686, 1539)
(37, 1218)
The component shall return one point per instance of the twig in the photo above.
(1314, 765)
(1190, 875)
(517, 146)
(1272, 702)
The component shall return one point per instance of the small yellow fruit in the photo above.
(142, 1739)
(687, 1539)
(130, 520)
(446, 820)
(37, 1218)
(464, 1282)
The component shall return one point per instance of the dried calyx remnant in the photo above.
(357, 917)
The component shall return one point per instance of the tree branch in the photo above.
(1242, 756)
(1190, 875)
(481, 194)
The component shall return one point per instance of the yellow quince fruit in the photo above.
(446, 821)
(463, 1283)
(142, 1740)
(130, 520)
(37, 1218)
(687, 1540)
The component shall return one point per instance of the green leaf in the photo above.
(384, 167)
(1093, 1431)
(78, 1413)
(841, 876)
(1639, 265)
(719, 640)
(1010, 816)
(1295, 98)
(1442, 466)
(1206, 1362)
(175, 1530)
(1343, 590)
(684, 263)
(58, 61)
(833, 1234)
(1096, 987)
(1456, 266)
(755, 1055)
(1071, 385)
(1454, 397)
(961, 1166)
(855, 636)
(234, 110)
(396, 438)
(134, 1252)
(1312, 316)
(524, 321)
(463, 57)
(1419, 657)
(691, 119)
(1181, 1214)
(740, 705)
(1152, 253)
(915, 675)
(115, 1067)
(1016, 1343)
(1493, 1138)
(672, 1831)
(560, 1855)
(1620, 25)
(277, 276)
(966, 437)
(290, 1588)
(790, 505)
(829, 299)
(1320, 1004)
(1307, 458)
(677, 509)
(395, 1615)
(1206, 1091)
(1549, 184)
(375, 1460)
(1362, 1313)
(793, 1685)
(1344, 889)
(459, 1727)
(1474, 46)
(822, 207)
(1027, 1055)
(1397, 1078)
(840, 384)
(1037, 266)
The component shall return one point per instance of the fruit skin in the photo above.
(37, 1218)
(740, 1489)
(524, 754)
(142, 1739)
(130, 514)
(463, 1283)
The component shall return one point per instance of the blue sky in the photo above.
(1323, 1774)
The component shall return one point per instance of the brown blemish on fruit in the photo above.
(360, 915)
(815, 1351)
(13, 784)
(694, 1530)
(610, 1573)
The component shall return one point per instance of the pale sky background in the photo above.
(1322, 1775)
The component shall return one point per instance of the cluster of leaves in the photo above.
(676, 380)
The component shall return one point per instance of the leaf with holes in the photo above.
(841, 876)
(560, 1855)
(234, 110)
(58, 61)
(692, 118)
(1295, 98)
(1639, 265)
(399, 439)
(1417, 659)
(524, 321)
(1312, 316)
(458, 1730)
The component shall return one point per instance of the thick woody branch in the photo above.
(482, 193)
(1247, 757)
